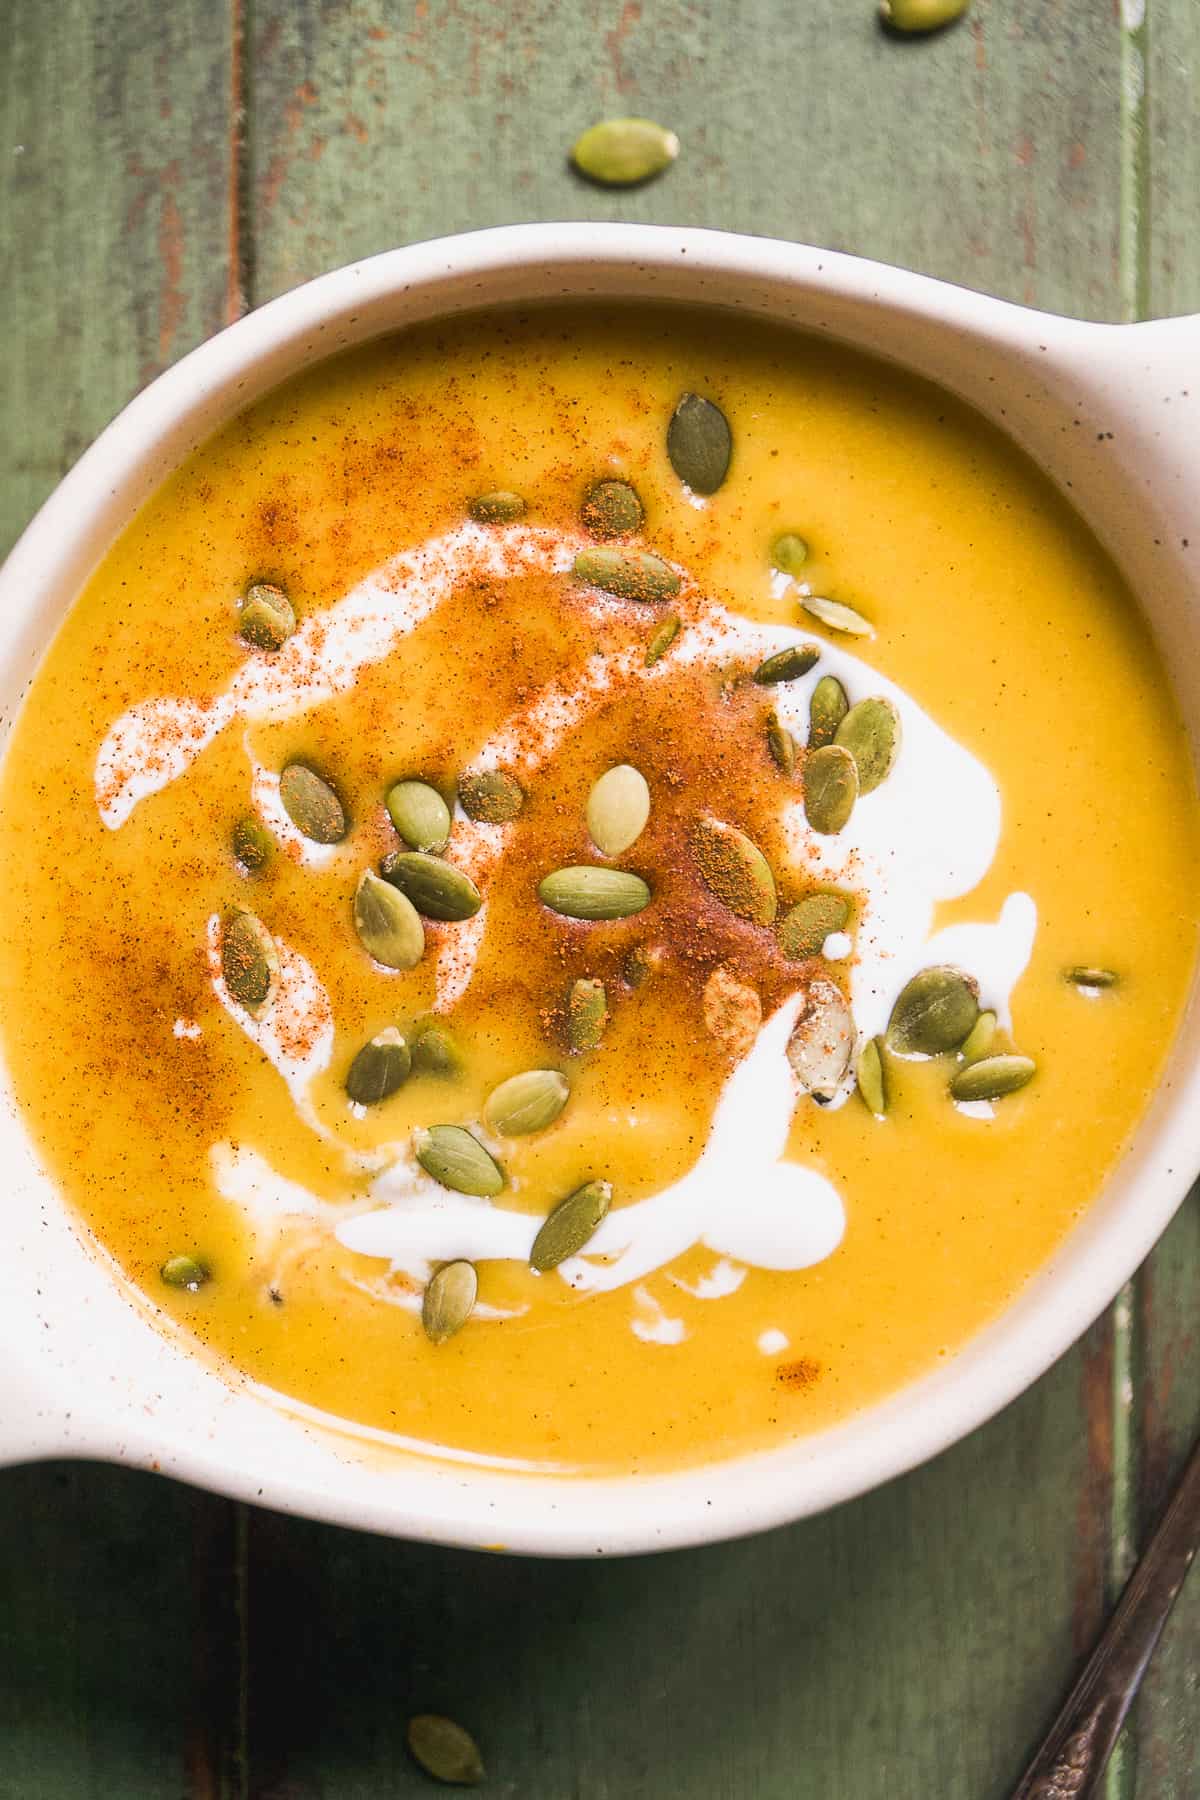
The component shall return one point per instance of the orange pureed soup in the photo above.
(568, 886)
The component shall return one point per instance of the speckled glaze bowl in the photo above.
(87, 1368)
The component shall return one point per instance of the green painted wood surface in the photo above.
(158, 164)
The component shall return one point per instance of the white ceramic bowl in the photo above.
(1112, 413)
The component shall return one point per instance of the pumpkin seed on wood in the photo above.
(827, 707)
(444, 1750)
(449, 1300)
(830, 788)
(624, 152)
(921, 15)
(789, 553)
(822, 1039)
(587, 1013)
(388, 925)
(419, 814)
(457, 1160)
(612, 509)
(617, 809)
(870, 731)
(1090, 975)
(661, 640)
(787, 665)
(979, 1040)
(498, 508)
(585, 891)
(184, 1272)
(491, 797)
(871, 1076)
(805, 926)
(312, 805)
(435, 1049)
(436, 888)
(379, 1069)
(735, 870)
(629, 574)
(570, 1226)
(249, 963)
(781, 744)
(527, 1102)
(253, 845)
(934, 1012)
(837, 616)
(992, 1078)
(266, 617)
(699, 443)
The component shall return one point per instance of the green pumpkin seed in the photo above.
(436, 888)
(253, 845)
(979, 1040)
(805, 926)
(822, 1039)
(249, 963)
(624, 152)
(311, 804)
(570, 1226)
(379, 1069)
(837, 616)
(388, 926)
(699, 443)
(184, 1272)
(787, 665)
(527, 1102)
(449, 1300)
(661, 640)
(491, 797)
(617, 809)
(781, 744)
(498, 508)
(830, 788)
(735, 870)
(584, 891)
(420, 815)
(266, 617)
(992, 1078)
(1088, 975)
(827, 708)
(934, 1012)
(921, 15)
(871, 1077)
(435, 1049)
(629, 574)
(444, 1750)
(789, 553)
(587, 1013)
(611, 509)
(458, 1161)
(870, 731)
(643, 961)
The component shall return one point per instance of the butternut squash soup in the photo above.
(594, 889)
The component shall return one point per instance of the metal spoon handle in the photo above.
(1071, 1760)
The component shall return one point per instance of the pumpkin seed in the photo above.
(781, 744)
(827, 708)
(822, 1039)
(184, 1272)
(735, 870)
(643, 961)
(587, 1013)
(311, 804)
(934, 1012)
(661, 640)
(699, 443)
(498, 508)
(584, 891)
(458, 1160)
(449, 1300)
(420, 815)
(979, 1040)
(491, 797)
(921, 15)
(436, 888)
(266, 617)
(992, 1078)
(837, 616)
(527, 1102)
(787, 665)
(830, 788)
(379, 1069)
(624, 152)
(871, 1077)
(444, 1750)
(249, 963)
(1088, 975)
(388, 926)
(870, 731)
(732, 1011)
(629, 574)
(611, 509)
(435, 1049)
(805, 926)
(570, 1226)
(253, 845)
(617, 809)
(789, 553)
